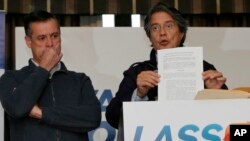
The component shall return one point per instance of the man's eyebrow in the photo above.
(53, 33)
(170, 21)
(41, 35)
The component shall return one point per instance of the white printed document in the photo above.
(181, 73)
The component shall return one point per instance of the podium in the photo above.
(172, 120)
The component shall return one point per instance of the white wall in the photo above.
(228, 49)
(107, 52)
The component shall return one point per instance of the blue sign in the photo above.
(2, 39)
(110, 132)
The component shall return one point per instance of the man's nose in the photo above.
(49, 42)
(163, 31)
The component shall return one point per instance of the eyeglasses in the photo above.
(166, 26)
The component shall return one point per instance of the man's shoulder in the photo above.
(77, 74)
(22, 70)
(208, 66)
(16, 74)
(73, 73)
(139, 66)
(145, 65)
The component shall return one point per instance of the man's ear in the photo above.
(28, 41)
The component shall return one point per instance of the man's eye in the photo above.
(169, 25)
(41, 38)
(155, 28)
(55, 35)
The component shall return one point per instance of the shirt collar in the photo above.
(56, 68)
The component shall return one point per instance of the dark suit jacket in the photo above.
(128, 85)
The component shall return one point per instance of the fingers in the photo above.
(213, 79)
(223, 79)
(148, 78)
(57, 49)
(212, 74)
(50, 57)
(35, 112)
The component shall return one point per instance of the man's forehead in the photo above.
(45, 34)
(44, 29)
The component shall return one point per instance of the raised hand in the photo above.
(213, 79)
(50, 57)
(145, 81)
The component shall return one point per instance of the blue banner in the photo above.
(2, 39)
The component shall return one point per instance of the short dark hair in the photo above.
(173, 12)
(37, 16)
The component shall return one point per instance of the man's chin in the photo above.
(166, 47)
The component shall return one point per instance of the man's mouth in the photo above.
(164, 42)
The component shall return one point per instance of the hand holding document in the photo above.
(181, 73)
